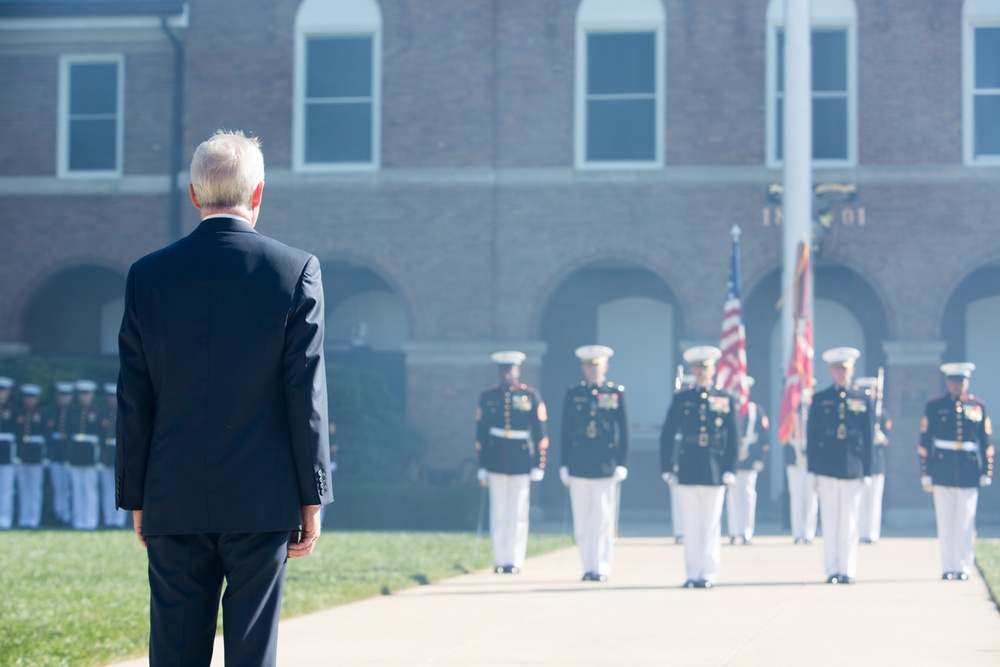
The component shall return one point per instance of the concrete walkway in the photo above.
(768, 609)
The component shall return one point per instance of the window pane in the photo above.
(780, 60)
(987, 57)
(339, 67)
(93, 89)
(621, 130)
(338, 132)
(829, 60)
(830, 129)
(92, 145)
(987, 124)
(621, 63)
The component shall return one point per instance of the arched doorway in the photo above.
(366, 323)
(969, 327)
(77, 311)
(632, 310)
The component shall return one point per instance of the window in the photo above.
(833, 73)
(619, 84)
(337, 115)
(90, 116)
(981, 82)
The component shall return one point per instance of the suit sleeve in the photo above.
(305, 388)
(622, 430)
(667, 439)
(135, 408)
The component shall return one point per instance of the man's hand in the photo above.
(482, 476)
(536, 474)
(729, 479)
(137, 521)
(309, 534)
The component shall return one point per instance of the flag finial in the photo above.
(735, 231)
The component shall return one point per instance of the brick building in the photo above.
(535, 174)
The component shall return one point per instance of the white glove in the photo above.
(813, 481)
(757, 466)
(333, 466)
(927, 482)
(985, 480)
(564, 475)
(536, 474)
(728, 478)
(482, 476)
(621, 472)
(867, 481)
(879, 438)
(670, 478)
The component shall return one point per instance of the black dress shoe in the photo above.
(679, 539)
(833, 579)
(865, 540)
(499, 569)
(704, 584)
(746, 541)
(598, 577)
(732, 539)
(844, 579)
(510, 569)
(961, 576)
(799, 540)
(688, 584)
(587, 576)
(947, 576)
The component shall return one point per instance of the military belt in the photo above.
(509, 434)
(83, 437)
(956, 445)
(7, 437)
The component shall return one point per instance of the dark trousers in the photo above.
(186, 573)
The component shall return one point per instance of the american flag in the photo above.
(799, 377)
(732, 367)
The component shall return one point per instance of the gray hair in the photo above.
(225, 170)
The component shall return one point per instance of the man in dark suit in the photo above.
(222, 439)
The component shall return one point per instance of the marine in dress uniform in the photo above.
(685, 381)
(803, 502)
(30, 432)
(110, 514)
(839, 445)
(741, 499)
(870, 517)
(57, 428)
(593, 450)
(84, 453)
(8, 455)
(698, 449)
(956, 458)
(511, 445)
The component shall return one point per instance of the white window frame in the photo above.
(617, 16)
(975, 14)
(825, 14)
(66, 64)
(336, 18)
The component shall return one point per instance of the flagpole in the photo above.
(797, 152)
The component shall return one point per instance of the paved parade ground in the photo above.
(769, 608)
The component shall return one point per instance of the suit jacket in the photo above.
(222, 405)
(510, 430)
(955, 441)
(700, 438)
(839, 433)
(594, 435)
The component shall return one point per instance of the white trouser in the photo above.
(803, 503)
(29, 493)
(701, 507)
(594, 508)
(741, 504)
(8, 475)
(84, 481)
(113, 517)
(509, 505)
(59, 476)
(955, 509)
(676, 516)
(839, 502)
(870, 519)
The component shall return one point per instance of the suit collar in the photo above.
(223, 223)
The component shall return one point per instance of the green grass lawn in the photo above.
(988, 560)
(81, 599)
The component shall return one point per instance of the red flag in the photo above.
(799, 377)
(732, 367)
